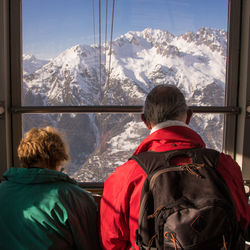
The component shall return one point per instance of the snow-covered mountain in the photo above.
(195, 62)
(31, 64)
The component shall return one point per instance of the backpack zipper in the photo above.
(190, 168)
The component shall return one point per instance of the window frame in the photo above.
(11, 120)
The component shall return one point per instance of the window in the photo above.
(149, 55)
(178, 42)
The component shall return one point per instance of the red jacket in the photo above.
(120, 202)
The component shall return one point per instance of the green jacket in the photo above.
(45, 209)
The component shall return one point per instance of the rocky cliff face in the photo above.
(195, 62)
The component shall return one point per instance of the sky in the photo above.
(51, 26)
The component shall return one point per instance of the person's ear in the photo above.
(148, 125)
(189, 115)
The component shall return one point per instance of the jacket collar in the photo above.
(171, 138)
(35, 175)
(168, 123)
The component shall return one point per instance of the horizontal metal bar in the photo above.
(94, 185)
(215, 109)
(78, 109)
(114, 109)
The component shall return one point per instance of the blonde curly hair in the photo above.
(42, 147)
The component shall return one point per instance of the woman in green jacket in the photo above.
(41, 207)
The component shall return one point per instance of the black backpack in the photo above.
(185, 206)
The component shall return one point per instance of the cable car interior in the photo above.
(85, 67)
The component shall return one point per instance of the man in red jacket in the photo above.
(167, 116)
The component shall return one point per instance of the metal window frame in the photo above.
(13, 83)
(114, 109)
(242, 149)
(232, 75)
(5, 118)
(16, 73)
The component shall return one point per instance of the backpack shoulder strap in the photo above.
(151, 161)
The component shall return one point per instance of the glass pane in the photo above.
(210, 128)
(153, 41)
(99, 143)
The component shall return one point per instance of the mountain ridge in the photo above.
(194, 62)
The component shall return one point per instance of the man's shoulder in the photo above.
(128, 172)
(227, 166)
(130, 167)
(225, 159)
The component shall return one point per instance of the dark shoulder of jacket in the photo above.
(73, 194)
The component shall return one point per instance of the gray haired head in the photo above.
(164, 102)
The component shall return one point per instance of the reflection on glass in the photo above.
(99, 143)
(69, 59)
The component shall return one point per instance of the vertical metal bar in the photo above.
(243, 121)
(232, 77)
(16, 72)
(5, 118)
